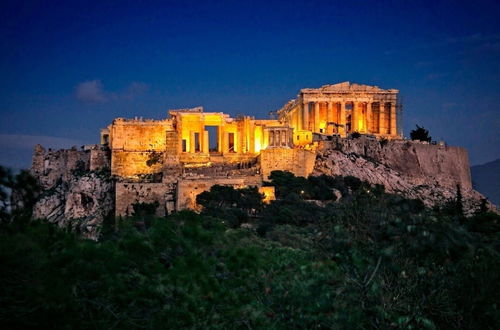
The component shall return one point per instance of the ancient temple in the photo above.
(342, 109)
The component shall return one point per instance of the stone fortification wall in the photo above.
(139, 135)
(128, 194)
(188, 189)
(132, 163)
(135, 142)
(52, 166)
(100, 158)
(298, 161)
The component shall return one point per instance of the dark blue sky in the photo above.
(69, 67)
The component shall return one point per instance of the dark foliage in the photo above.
(370, 260)
(420, 134)
(18, 194)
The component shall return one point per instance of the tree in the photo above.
(420, 134)
(18, 194)
(225, 197)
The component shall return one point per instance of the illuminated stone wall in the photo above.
(298, 161)
(188, 189)
(131, 163)
(129, 193)
(138, 134)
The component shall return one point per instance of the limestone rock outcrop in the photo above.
(78, 192)
(79, 204)
(415, 170)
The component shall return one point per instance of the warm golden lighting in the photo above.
(361, 127)
(269, 194)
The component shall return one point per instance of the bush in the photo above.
(420, 134)
(356, 135)
(222, 198)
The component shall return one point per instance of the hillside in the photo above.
(330, 252)
(486, 180)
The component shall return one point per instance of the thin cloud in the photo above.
(480, 40)
(16, 150)
(472, 38)
(134, 89)
(19, 141)
(92, 92)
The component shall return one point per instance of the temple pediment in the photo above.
(347, 87)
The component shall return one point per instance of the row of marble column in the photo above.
(364, 117)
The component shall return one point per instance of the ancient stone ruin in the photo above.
(171, 161)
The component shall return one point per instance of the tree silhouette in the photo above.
(420, 134)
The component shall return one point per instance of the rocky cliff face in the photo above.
(74, 197)
(416, 170)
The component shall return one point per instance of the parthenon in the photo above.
(342, 109)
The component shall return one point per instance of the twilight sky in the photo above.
(69, 67)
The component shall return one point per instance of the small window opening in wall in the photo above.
(184, 145)
(197, 142)
(231, 142)
(321, 130)
(298, 137)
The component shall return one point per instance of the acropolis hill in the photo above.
(171, 161)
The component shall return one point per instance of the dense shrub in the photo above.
(420, 134)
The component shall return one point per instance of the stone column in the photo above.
(316, 117)
(394, 128)
(381, 116)
(191, 141)
(369, 117)
(205, 147)
(354, 117)
(342, 130)
(222, 134)
(365, 117)
(305, 118)
(329, 118)
(251, 136)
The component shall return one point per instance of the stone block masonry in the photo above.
(188, 189)
(298, 161)
(128, 194)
